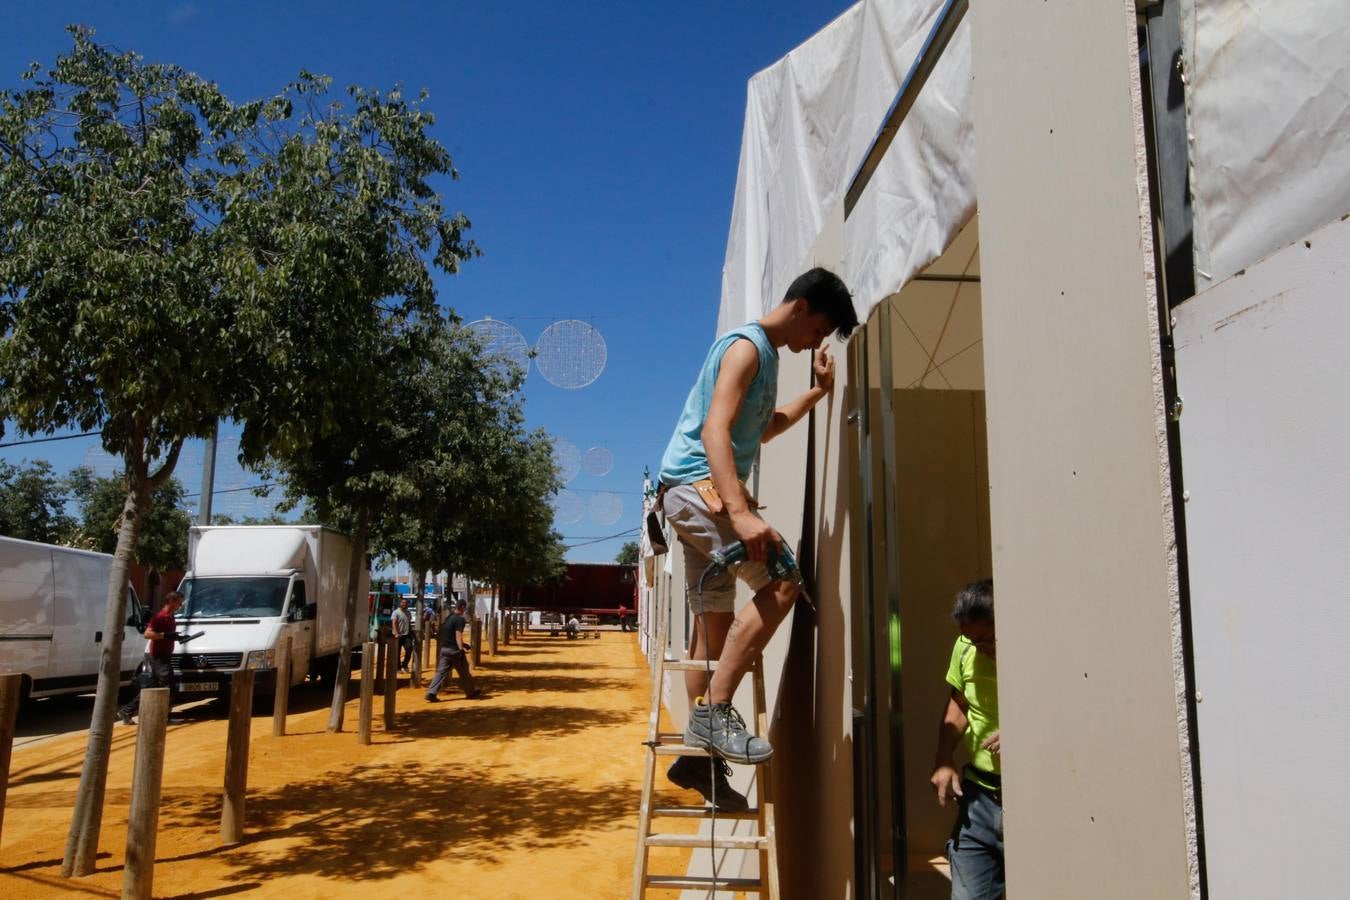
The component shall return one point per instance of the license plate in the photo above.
(199, 686)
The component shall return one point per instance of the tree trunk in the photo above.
(82, 842)
(344, 670)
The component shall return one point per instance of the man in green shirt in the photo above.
(975, 850)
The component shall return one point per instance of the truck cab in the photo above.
(249, 588)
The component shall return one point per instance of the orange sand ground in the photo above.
(530, 792)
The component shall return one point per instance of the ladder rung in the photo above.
(702, 882)
(690, 665)
(701, 812)
(728, 842)
(678, 750)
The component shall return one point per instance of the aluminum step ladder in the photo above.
(663, 747)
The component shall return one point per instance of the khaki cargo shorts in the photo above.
(701, 533)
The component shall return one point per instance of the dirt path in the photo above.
(530, 792)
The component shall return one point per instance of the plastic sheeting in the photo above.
(1268, 107)
(809, 121)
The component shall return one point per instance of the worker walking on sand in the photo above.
(452, 656)
(730, 411)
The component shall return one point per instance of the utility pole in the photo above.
(208, 477)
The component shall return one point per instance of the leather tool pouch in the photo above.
(656, 536)
(713, 500)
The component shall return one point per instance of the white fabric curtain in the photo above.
(810, 119)
(1268, 110)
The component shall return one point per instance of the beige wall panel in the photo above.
(1094, 766)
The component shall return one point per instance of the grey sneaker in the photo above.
(720, 730)
(709, 778)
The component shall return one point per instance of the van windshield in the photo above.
(231, 598)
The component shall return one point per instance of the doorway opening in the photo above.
(922, 492)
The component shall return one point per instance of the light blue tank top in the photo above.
(685, 460)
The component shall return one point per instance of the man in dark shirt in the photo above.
(452, 656)
(161, 633)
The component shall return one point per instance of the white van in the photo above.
(248, 587)
(53, 606)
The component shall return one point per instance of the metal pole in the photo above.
(924, 64)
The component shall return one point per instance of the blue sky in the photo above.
(597, 144)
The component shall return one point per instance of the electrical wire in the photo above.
(44, 440)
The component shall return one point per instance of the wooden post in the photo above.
(282, 699)
(506, 628)
(9, 711)
(390, 682)
(367, 692)
(381, 646)
(416, 663)
(492, 633)
(477, 631)
(143, 819)
(236, 758)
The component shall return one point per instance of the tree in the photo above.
(628, 554)
(162, 545)
(169, 258)
(32, 503)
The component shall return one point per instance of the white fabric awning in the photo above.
(809, 121)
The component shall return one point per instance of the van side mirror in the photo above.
(312, 612)
(136, 620)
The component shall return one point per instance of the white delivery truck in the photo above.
(53, 605)
(248, 587)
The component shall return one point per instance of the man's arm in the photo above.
(784, 417)
(739, 365)
(945, 779)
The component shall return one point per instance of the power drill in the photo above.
(782, 565)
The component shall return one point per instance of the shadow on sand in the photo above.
(342, 825)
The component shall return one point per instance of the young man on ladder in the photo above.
(730, 411)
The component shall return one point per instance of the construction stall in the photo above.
(1100, 251)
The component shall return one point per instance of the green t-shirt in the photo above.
(975, 675)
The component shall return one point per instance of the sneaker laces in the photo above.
(730, 717)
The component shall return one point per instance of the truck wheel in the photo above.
(327, 668)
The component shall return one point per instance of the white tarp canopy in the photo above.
(809, 121)
(1268, 111)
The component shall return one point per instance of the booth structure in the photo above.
(1101, 250)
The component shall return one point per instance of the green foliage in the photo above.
(33, 503)
(169, 258)
(162, 545)
(628, 554)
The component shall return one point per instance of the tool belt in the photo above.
(707, 491)
(713, 500)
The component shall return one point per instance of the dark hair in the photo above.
(825, 293)
(975, 602)
(173, 595)
(461, 604)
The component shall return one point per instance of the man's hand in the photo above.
(947, 782)
(756, 534)
(991, 743)
(824, 369)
